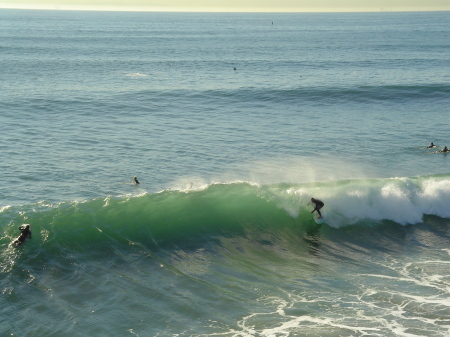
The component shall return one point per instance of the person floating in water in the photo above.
(445, 149)
(318, 205)
(25, 232)
(136, 181)
(431, 145)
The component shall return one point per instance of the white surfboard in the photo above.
(318, 220)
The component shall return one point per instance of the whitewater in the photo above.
(231, 123)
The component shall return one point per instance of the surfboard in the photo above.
(444, 152)
(318, 220)
(429, 147)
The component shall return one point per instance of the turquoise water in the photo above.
(231, 122)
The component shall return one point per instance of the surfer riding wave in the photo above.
(318, 205)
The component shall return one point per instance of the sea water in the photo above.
(231, 123)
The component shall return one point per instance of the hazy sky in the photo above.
(235, 5)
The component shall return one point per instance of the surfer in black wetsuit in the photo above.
(25, 232)
(431, 145)
(318, 205)
(445, 149)
(136, 181)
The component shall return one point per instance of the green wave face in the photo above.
(196, 217)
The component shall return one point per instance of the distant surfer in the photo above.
(25, 232)
(136, 181)
(445, 149)
(431, 145)
(318, 205)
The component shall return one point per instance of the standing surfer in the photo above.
(318, 205)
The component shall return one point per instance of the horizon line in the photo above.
(209, 10)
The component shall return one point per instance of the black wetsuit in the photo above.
(25, 233)
(319, 204)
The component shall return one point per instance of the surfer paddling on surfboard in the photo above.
(318, 205)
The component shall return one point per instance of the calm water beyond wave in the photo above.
(231, 123)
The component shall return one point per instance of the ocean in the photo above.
(231, 123)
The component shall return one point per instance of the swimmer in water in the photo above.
(25, 232)
(136, 181)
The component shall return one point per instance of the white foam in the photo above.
(434, 197)
(4, 208)
(402, 200)
(135, 75)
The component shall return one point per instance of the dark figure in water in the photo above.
(25, 233)
(135, 180)
(318, 205)
(431, 145)
(445, 149)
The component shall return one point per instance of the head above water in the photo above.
(25, 226)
